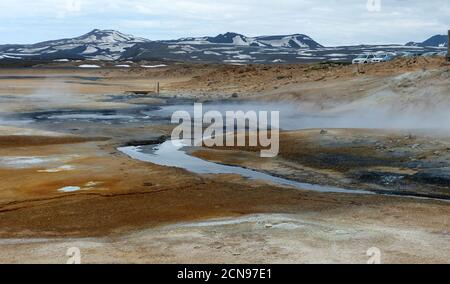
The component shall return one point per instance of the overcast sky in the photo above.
(329, 22)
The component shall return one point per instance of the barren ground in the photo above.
(128, 211)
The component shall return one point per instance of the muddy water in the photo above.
(95, 116)
(292, 117)
(171, 154)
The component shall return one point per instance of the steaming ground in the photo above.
(383, 129)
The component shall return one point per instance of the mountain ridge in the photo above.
(230, 48)
(288, 41)
(434, 41)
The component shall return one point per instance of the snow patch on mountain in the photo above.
(97, 44)
(88, 66)
(232, 48)
(434, 41)
(287, 41)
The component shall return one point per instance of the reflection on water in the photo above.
(69, 189)
(87, 116)
(105, 116)
(171, 154)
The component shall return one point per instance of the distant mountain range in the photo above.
(230, 48)
(435, 41)
(288, 41)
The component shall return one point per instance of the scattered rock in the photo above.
(380, 146)
(320, 78)
(415, 146)
(437, 176)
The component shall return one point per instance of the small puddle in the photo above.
(26, 162)
(69, 189)
(87, 186)
(93, 116)
(107, 116)
(171, 154)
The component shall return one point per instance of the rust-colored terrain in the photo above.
(137, 212)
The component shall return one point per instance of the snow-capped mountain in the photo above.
(287, 41)
(437, 41)
(97, 44)
(232, 38)
(229, 48)
(227, 38)
(292, 41)
(97, 37)
(434, 41)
